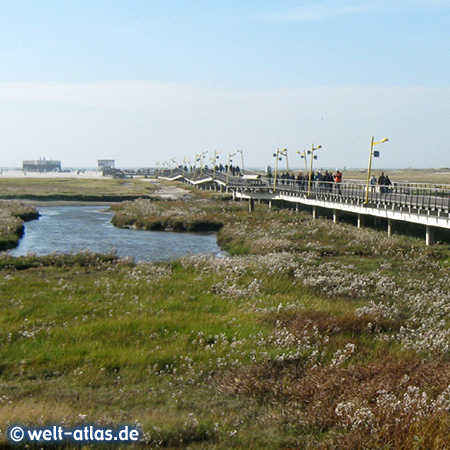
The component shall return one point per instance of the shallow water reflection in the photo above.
(69, 229)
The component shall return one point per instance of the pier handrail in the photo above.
(400, 194)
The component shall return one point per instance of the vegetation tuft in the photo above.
(193, 216)
(12, 216)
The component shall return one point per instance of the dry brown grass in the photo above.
(308, 398)
(329, 324)
(33, 411)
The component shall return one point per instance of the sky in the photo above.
(145, 82)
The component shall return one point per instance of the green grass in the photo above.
(162, 346)
(255, 352)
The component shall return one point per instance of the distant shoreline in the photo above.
(88, 174)
(95, 174)
(424, 175)
(55, 203)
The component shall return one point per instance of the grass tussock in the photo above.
(12, 216)
(170, 215)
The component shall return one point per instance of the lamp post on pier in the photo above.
(201, 161)
(278, 156)
(228, 167)
(375, 154)
(174, 161)
(196, 160)
(303, 156)
(242, 159)
(213, 162)
(186, 161)
(311, 152)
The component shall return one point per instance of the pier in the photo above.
(419, 203)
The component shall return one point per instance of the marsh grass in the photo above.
(193, 216)
(74, 189)
(12, 216)
(311, 335)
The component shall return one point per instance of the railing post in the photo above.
(429, 235)
(391, 227)
(335, 216)
(360, 221)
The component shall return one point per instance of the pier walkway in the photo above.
(419, 203)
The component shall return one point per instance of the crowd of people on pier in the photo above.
(234, 170)
(327, 181)
(383, 182)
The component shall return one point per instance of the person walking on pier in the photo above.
(382, 182)
(301, 181)
(337, 180)
(328, 182)
(373, 183)
(387, 183)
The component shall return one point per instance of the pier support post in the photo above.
(251, 205)
(391, 227)
(429, 236)
(335, 216)
(270, 204)
(360, 221)
(314, 212)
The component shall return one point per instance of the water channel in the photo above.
(69, 229)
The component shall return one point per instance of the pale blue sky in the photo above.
(145, 81)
